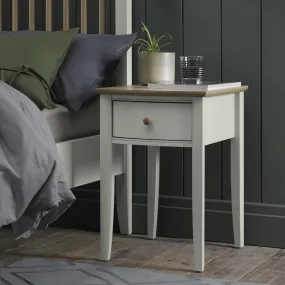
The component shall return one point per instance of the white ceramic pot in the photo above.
(156, 67)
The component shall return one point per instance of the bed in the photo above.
(80, 152)
(77, 134)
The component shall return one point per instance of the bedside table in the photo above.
(138, 115)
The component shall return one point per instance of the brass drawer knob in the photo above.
(147, 121)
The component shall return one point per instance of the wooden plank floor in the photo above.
(250, 264)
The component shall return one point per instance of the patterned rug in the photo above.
(51, 272)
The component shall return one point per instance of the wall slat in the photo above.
(171, 178)
(31, 14)
(139, 152)
(1, 15)
(273, 102)
(6, 15)
(48, 15)
(236, 56)
(92, 16)
(23, 15)
(101, 16)
(83, 16)
(14, 15)
(57, 15)
(203, 37)
(66, 10)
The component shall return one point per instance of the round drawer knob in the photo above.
(147, 121)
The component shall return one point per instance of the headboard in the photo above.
(48, 14)
(123, 25)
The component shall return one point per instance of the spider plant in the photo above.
(151, 43)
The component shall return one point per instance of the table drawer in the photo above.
(152, 120)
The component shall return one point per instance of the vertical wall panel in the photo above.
(242, 62)
(202, 36)
(273, 102)
(6, 15)
(92, 16)
(139, 152)
(139, 15)
(23, 6)
(77, 12)
(108, 18)
(57, 15)
(72, 14)
(39, 16)
(166, 17)
(112, 16)
(139, 169)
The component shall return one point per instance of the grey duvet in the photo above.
(33, 192)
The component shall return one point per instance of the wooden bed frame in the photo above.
(81, 157)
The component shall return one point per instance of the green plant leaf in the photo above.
(142, 41)
(152, 43)
(143, 47)
(146, 30)
(167, 44)
(163, 37)
(143, 44)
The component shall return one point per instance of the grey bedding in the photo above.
(67, 125)
(33, 192)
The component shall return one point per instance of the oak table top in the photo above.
(147, 91)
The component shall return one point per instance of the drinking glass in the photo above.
(192, 69)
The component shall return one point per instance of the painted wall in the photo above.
(242, 41)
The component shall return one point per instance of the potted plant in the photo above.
(155, 65)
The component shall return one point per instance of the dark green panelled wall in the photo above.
(241, 40)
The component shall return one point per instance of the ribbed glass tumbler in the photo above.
(192, 69)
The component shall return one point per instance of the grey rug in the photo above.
(52, 272)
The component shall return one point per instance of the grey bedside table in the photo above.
(137, 115)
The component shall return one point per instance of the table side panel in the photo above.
(219, 118)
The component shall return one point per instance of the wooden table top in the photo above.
(147, 91)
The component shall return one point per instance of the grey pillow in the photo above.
(90, 63)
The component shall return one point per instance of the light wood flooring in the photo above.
(250, 264)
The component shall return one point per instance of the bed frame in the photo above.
(81, 157)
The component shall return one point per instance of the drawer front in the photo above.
(152, 120)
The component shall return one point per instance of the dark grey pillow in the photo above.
(90, 62)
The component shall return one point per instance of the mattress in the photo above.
(66, 125)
